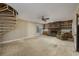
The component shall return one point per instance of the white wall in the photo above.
(31, 29)
(23, 29)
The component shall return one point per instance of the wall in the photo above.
(23, 29)
(34, 29)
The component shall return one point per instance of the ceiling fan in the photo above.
(44, 19)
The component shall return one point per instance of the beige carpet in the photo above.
(38, 46)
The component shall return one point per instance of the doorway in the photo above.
(77, 40)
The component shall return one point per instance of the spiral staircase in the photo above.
(7, 19)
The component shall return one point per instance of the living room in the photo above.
(38, 29)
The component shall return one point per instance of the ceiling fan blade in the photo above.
(44, 19)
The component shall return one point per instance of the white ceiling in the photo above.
(55, 11)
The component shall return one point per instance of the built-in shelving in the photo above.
(54, 28)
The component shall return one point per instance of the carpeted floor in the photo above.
(38, 46)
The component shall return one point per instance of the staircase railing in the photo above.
(7, 19)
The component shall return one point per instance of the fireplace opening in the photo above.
(53, 33)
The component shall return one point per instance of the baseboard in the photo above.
(9, 41)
